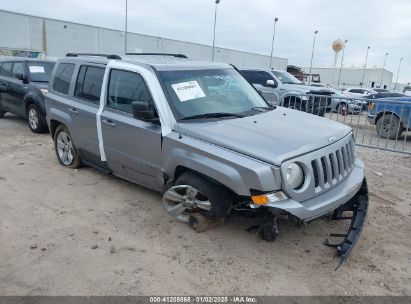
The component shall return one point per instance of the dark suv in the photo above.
(23, 84)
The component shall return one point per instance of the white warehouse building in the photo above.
(51, 38)
(353, 77)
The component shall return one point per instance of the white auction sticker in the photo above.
(188, 90)
(36, 69)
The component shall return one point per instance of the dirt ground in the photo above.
(51, 218)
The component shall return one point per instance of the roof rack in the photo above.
(108, 56)
(158, 54)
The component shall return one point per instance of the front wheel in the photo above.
(194, 193)
(389, 126)
(66, 152)
(2, 114)
(35, 120)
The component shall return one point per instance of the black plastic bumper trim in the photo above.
(358, 205)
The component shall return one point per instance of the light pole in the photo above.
(272, 45)
(365, 66)
(125, 33)
(398, 73)
(312, 56)
(215, 24)
(342, 61)
(383, 67)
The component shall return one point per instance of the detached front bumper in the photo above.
(357, 207)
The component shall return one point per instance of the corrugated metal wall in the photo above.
(353, 76)
(56, 38)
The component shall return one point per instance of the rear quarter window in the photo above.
(62, 78)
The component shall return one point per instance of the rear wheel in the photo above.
(389, 126)
(2, 112)
(66, 152)
(35, 120)
(194, 193)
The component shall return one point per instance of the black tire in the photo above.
(2, 112)
(218, 196)
(389, 126)
(35, 120)
(75, 162)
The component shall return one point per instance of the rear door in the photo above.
(132, 147)
(5, 74)
(17, 89)
(84, 110)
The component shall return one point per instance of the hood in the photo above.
(305, 88)
(272, 137)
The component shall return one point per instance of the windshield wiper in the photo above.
(269, 107)
(213, 115)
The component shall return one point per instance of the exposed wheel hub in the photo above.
(180, 201)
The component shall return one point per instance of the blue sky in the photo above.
(247, 25)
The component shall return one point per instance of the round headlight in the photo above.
(294, 176)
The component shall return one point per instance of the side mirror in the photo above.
(21, 77)
(144, 111)
(271, 83)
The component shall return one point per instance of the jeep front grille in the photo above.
(333, 167)
(324, 168)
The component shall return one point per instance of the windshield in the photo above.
(286, 77)
(217, 91)
(40, 71)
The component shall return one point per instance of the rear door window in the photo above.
(18, 69)
(7, 69)
(89, 83)
(124, 88)
(63, 76)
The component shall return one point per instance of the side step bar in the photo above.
(358, 205)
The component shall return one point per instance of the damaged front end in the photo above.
(355, 210)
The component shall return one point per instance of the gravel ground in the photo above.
(80, 232)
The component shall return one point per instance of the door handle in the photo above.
(110, 123)
(73, 110)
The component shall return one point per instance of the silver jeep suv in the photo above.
(202, 135)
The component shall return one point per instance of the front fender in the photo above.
(237, 172)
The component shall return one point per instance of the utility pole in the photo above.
(398, 73)
(365, 66)
(342, 61)
(215, 25)
(312, 56)
(383, 67)
(272, 44)
(125, 33)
